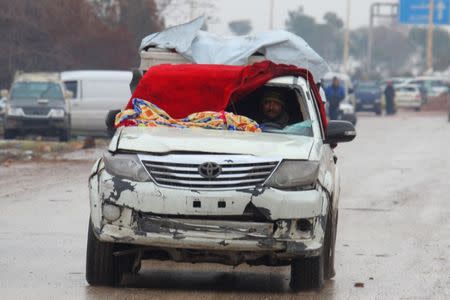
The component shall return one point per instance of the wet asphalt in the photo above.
(393, 235)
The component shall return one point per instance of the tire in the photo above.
(378, 110)
(307, 273)
(64, 136)
(417, 108)
(310, 272)
(329, 247)
(109, 122)
(102, 267)
(9, 134)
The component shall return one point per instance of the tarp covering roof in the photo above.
(181, 90)
(203, 47)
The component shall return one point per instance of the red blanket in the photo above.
(181, 90)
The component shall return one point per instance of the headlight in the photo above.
(295, 175)
(56, 113)
(125, 165)
(15, 111)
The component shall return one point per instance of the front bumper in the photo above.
(171, 233)
(160, 217)
(34, 123)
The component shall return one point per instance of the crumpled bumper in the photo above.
(151, 216)
(153, 231)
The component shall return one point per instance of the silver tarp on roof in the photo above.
(204, 47)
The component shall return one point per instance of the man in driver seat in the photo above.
(274, 109)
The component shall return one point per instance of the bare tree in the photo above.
(181, 11)
(58, 34)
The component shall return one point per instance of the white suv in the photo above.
(199, 195)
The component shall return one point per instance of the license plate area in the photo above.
(210, 205)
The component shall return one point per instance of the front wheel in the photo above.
(9, 134)
(307, 273)
(64, 136)
(102, 267)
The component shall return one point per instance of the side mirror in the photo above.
(340, 132)
(68, 94)
(4, 93)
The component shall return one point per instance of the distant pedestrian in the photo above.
(335, 93)
(389, 93)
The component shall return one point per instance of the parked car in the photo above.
(199, 195)
(395, 81)
(369, 97)
(434, 86)
(347, 106)
(409, 96)
(37, 103)
(95, 94)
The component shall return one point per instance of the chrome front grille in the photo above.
(187, 175)
(36, 111)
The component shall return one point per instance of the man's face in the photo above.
(335, 82)
(272, 109)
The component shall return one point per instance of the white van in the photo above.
(95, 94)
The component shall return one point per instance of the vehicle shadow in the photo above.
(218, 279)
(208, 280)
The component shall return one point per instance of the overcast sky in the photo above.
(258, 12)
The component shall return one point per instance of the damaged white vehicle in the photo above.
(198, 195)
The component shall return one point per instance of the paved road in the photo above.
(394, 231)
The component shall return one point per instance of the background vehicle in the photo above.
(409, 96)
(395, 81)
(368, 96)
(37, 104)
(95, 93)
(434, 86)
(347, 106)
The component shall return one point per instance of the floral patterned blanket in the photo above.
(145, 114)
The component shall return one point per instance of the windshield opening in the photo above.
(36, 90)
(277, 110)
(367, 87)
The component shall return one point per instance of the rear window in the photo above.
(36, 90)
(367, 87)
(407, 89)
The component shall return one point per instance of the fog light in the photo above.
(111, 212)
(304, 225)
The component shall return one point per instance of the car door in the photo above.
(101, 96)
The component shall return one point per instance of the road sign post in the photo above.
(430, 36)
(425, 12)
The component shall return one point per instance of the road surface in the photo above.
(393, 238)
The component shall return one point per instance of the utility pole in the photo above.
(347, 37)
(430, 36)
(191, 9)
(271, 12)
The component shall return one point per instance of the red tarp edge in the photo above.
(184, 89)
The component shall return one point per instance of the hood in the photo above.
(167, 139)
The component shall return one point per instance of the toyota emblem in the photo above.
(209, 170)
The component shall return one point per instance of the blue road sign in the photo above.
(417, 12)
